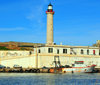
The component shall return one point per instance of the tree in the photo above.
(3, 48)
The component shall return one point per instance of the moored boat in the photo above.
(78, 66)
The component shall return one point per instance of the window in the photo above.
(50, 50)
(64, 50)
(87, 52)
(57, 51)
(82, 52)
(30, 52)
(39, 51)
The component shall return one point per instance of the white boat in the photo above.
(79, 66)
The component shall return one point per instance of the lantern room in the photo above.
(50, 9)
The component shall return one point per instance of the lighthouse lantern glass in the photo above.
(49, 7)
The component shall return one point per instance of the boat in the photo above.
(78, 66)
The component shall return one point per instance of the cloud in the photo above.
(37, 14)
(12, 29)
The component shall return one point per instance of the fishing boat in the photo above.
(78, 66)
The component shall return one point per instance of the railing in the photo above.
(73, 52)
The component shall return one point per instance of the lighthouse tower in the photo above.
(50, 14)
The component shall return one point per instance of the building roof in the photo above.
(50, 4)
(66, 46)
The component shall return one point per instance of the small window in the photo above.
(30, 52)
(50, 50)
(73, 65)
(87, 52)
(39, 51)
(57, 51)
(64, 50)
(82, 52)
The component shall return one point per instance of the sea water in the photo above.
(49, 79)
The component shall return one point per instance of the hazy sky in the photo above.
(76, 22)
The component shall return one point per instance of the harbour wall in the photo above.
(48, 61)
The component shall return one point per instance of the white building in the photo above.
(61, 49)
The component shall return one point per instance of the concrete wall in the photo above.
(48, 60)
(30, 61)
(14, 53)
(25, 62)
(22, 58)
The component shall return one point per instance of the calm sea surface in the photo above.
(49, 79)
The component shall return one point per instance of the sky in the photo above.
(76, 22)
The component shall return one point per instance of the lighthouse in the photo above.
(50, 14)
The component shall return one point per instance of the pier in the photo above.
(24, 70)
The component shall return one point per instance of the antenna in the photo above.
(52, 1)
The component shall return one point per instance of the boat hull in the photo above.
(87, 69)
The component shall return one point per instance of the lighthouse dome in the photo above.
(50, 6)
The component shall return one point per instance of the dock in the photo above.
(24, 70)
(33, 70)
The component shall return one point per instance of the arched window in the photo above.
(82, 52)
(93, 52)
(57, 51)
(65, 51)
(87, 52)
(50, 50)
(39, 51)
(30, 53)
(99, 52)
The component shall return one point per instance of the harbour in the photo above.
(49, 42)
(78, 67)
(49, 57)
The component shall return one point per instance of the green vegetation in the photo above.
(23, 49)
(12, 45)
(3, 48)
(96, 45)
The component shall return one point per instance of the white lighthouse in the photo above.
(50, 14)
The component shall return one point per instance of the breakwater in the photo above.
(24, 70)
(35, 70)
